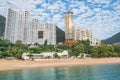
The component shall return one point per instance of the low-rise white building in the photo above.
(63, 55)
(95, 42)
(25, 56)
(45, 55)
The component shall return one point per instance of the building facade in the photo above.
(83, 34)
(73, 34)
(20, 27)
(16, 25)
(39, 32)
(95, 42)
(69, 31)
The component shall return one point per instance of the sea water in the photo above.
(90, 72)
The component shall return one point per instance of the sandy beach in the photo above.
(19, 64)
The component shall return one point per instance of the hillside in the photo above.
(60, 35)
(2, 25)
(114, 39)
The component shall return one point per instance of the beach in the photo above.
(20, 64)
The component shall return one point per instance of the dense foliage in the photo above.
(83, 47)
(8, 49)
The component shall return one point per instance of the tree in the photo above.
(34, 50)
(94, 55)
(5, 43)
(5, 54)
(56, 55)
(45, 43)
(71, 53)
(104, 55)
(18, 42)
(86, 46)
(36, 44)
(116, 48)
(79, 49)
(94, 51)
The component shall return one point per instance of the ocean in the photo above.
(84, 72)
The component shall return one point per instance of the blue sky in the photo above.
(101, 16)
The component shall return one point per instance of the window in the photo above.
(40, 34)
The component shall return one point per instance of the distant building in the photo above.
(95, 42)
(39, 32)
(73, 34)
(45, 55)
(69, 31)
(20, 27)
(16, 25)
(86, 34)
(83, 34)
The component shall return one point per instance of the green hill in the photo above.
(114, 39)
(2, 25)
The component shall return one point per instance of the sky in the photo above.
(101, 16)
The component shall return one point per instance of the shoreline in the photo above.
(19, 64)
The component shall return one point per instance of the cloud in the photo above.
(53, 7)
(3, 11)
(56, 18)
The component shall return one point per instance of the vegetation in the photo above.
(83, 47)
(8, 49)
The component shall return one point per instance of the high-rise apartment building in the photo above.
(24, 20)
(69, 31)
(20, 27)
(39, 32)
(86, 34)
(74, 34)
(16, 22)
(83, 34)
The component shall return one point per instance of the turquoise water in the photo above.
(94, 72)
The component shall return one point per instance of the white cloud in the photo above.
(97, 10)
(103, 23)
(76, 11)
(53, 7)
(3, 11)
(61, 24)
(56, 18)
(45, 5)
(89, 0)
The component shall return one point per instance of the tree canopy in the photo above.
(8, 48)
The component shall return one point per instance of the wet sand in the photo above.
(19, 64)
